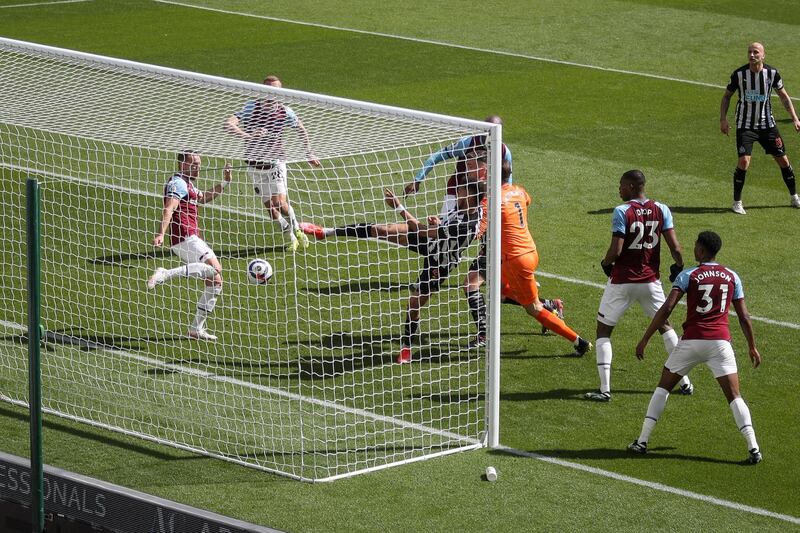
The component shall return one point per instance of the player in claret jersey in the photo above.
(632, 263)
(710, 288)
(181, 200)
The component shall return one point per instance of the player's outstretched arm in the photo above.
(395, 203)
(747, 329)
(303, 133)
(210, 195)
(166, 215)
(660, 318)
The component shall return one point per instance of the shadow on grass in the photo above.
(653, 454)
(119, 259)
(359, 286)
(108, 438)
(564, 394)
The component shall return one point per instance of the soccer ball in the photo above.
(259, 271)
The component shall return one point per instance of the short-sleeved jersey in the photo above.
(458, 151)
(455, 233)
(640, 223)
(710, 288)
(754, 108)
(184, 218)
(258, 115)
(516, 237)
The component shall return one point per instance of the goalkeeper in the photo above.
(441, 241)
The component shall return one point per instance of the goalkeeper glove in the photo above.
(674, 270)
(607, 268)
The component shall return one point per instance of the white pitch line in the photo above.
(120, 188)
(262, 388)
(451, 45)
(46, 3)
(241, 212)
(655, 486)
(790, 325)
(443, 43)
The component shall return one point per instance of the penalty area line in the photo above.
(790, 325)
(54, 2)
(443, 43)
(654, 485)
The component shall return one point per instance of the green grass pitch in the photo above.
(574, 126)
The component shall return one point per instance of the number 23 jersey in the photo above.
(710, 288)
(640, 223)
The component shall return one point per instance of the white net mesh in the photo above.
(301, 380)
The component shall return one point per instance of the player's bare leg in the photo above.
(741, 414)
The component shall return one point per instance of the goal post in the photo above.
(301, 379)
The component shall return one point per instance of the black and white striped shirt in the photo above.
(754, 109)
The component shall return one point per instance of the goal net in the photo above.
(301, 379)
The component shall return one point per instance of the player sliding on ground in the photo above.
(710, 288)
(441, 241)
(520, 259)
(181, 199)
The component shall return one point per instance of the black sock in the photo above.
(409, 329)
(788, 179)
(738, 183)
(477, 306)
(361, 230)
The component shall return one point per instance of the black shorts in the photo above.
(430, 279)
(769, 139)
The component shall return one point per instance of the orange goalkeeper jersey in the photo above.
(516, 239)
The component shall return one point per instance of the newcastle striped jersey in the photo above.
(754, 109)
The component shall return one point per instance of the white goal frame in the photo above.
(491, 405)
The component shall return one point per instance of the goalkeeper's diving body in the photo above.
(181, 199)
(441, 241)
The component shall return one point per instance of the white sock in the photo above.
(292, 218)
(286, 227)
(654, 409)
(604, 355)
(192, 270)
(741, 413)
(205, 305)
(329, 232)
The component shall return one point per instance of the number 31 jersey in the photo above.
(640, 223)
(710, 288)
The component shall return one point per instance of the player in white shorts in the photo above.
(632, 264)
(261, 123)
(181, 199)
(710, 289)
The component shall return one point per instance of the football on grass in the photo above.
(259, 271)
